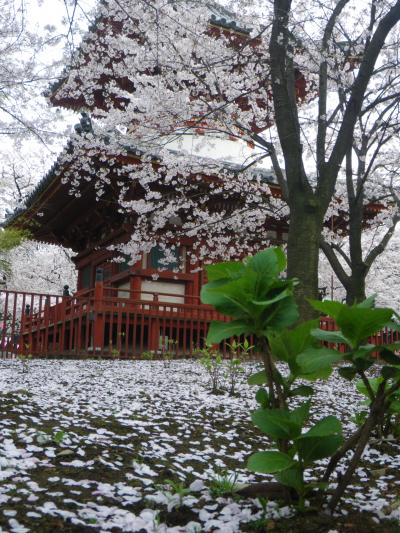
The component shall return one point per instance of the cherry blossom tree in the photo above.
(25, 70)
(368, 200)
(383, 277)
(155, 74)
(38, 267)
(31, 57)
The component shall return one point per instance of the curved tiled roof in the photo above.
(53, 174)
(219, 16)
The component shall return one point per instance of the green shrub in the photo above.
(261, 303)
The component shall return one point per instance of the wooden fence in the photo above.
(111, 322)
(103, 322)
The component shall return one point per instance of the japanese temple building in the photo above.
(118, 309)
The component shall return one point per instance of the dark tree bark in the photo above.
(308, 203)
(303, 252)
(359, 266)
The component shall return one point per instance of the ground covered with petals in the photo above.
(143, 446)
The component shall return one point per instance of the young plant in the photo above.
(233, 370)
(167, 357)
(178, 488)
(260, 524)
(213, 363)
(174, 493)
(297, 450)
(390, 422)
(115, 353)
(172, 346)
(258, 301)
(223, 484)
(59, 436)
(25, 359)
(362, 414)
(239, 349)
(261, 303)
(356, 325)
(168, 350)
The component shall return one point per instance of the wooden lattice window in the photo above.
(156, 259)
(123, 265)
(86, 275)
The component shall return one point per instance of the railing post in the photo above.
(98, 325)
(46, 331)
(154, 327)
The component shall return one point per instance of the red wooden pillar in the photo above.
(136, 284)
(46, 321)
(98, 324)
(61, 310)
(154, 327)
(196, 285)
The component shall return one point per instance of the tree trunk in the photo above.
(303, 252)
(355, 289)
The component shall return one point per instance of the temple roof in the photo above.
(51, 210)
(219, 16)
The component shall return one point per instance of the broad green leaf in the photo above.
(292, 477)
(389, 357)
(392, 347)
(362, 364)
(224, 271)
(285, 315)
(259, 378)
(301, 414)
(231, 298)
(267, 303)
(269, 462)
(328, 307)
(58, 437)
(209, 293)
(393, 325)
(363, 352)
(252, 292)
(313, 448)
(347, 372)
(314, 359)
(358, 323)
(213, 293)
(302, 390)
(394, 406)
(269, 262)
(287, 344)
(389, 372)
(322, 440)
(329, 336)
(327, 426)
(368, 302)
(219, 331)
(276, 423)
(262, 397)
(322, 373)
(374, 384)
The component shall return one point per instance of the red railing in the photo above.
(104, 321)
(111, 322)
(384, 336)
